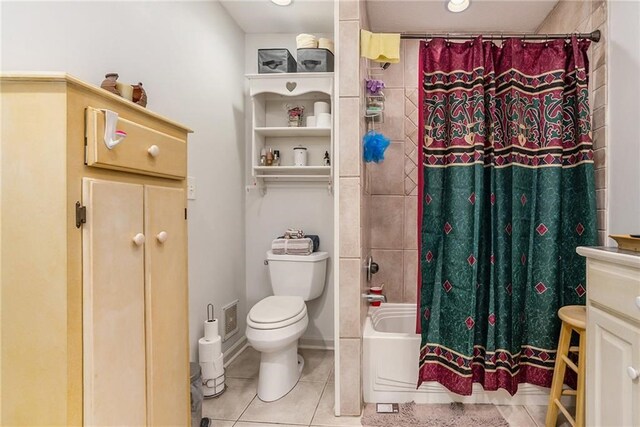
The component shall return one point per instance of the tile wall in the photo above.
(394, 182)
(354, 199)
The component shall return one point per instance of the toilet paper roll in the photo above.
(323, 120)
(212, 369)
(210, 388)
(209, 351)
(306, 41)
(211, 330)
(311, 121)
(321, 107)
(325, 44)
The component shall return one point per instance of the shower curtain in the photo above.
(506, 195)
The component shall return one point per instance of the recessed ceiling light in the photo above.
(456, 5)
(282, 2)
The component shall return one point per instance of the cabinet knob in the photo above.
(638, 302)
(138, 239)
(633, 372)
(154, 151)
(162, 236)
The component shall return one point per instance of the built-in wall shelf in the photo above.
(292, 131)
(294, 170)
(271, 96)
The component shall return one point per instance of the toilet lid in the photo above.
(276, 309)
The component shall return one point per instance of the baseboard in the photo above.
(315, 344)
(235, 350)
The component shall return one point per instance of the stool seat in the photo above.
(575, 315)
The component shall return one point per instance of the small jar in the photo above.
(276, 158)
(109, 83)
(300, 156)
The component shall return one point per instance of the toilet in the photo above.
(275, 323)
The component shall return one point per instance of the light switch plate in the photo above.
(191, 188)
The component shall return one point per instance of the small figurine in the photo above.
(109, 83)
(139, 95)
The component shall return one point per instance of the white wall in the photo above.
(189, 55)
(624, 117)
(308, 206)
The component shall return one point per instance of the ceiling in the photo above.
(316, 16)
(262, 16)
(482, 15)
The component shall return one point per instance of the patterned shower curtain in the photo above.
(506, 195)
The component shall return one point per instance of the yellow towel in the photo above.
(380, 47)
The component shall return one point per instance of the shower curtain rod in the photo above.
(594, 36)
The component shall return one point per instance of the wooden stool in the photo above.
(574, 318)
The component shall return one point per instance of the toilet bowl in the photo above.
(273, 328)
(275, 323)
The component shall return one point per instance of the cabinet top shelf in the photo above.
(59, 77)
(611, 254)
(289, 75)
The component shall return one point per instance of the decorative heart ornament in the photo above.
(291, 86)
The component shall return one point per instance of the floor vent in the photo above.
(230, 314)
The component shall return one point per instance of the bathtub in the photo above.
(390, 365)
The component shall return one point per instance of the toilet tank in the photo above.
(298, 275)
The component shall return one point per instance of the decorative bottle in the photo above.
(270, 158)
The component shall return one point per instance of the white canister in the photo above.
(300, 156)
(323, 120)
(311, 121)
(321, 107)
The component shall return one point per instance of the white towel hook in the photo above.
(112, 136)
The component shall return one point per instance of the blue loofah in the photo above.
(375, 145)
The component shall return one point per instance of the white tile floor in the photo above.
(310, 403)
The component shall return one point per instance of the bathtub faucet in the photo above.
(374, 297)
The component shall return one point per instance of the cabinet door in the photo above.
(166, 307)
(613, 347)
(113, 305)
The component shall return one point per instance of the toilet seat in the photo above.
(276, 312)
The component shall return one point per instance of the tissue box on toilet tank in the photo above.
(276, 61)
(315, 60)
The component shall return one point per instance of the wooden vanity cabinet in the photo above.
(94, 301)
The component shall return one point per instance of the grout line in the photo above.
(315, 411)
(245, 409)
(531, 416)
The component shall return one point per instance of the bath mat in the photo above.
(435, 415)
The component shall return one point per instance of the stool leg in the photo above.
(580, 395)
(558, 375)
